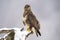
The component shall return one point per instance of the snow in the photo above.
(19, 35)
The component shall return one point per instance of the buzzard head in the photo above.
(27, 7)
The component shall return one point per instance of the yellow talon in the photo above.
(28, 30)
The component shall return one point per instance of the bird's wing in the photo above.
(31, 17)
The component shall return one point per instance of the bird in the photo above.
(30, 20)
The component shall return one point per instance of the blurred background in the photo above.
(46, 11)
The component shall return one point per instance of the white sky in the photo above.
(46, 11)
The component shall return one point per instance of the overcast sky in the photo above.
(46, 11)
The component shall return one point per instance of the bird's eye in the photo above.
(28, 6)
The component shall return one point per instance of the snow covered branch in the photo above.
(20, 33)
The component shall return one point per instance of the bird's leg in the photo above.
(28, 29)
(29, 33)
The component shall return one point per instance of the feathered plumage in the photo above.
(30, 20)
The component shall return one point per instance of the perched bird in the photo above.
(30, 21)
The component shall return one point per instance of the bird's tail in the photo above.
(37, 32)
